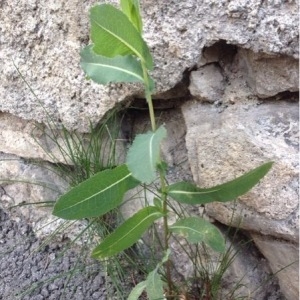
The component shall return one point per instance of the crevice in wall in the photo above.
(220, 52)
(286, 96)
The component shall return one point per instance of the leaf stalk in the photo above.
(149, 96)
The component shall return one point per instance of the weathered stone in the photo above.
(283, 258)
(28, 139)
(267, 75)
(46, 41)
(224, 145)
(207, 83)
(23, 183)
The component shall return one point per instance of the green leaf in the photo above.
(113, 34)
(165, 258)
(137, 291)
(197, 230)
(157, 202)
(189, 193)
(153, 283)
(95, 196)
(162, 166)
(104, 70)
(154, 286)
(143, 156)
(128, 233)
(131, 8)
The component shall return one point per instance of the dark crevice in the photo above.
(220, 52)
(283, 96)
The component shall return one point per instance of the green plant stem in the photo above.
(149, 97)
(162, 180)
(166, 229)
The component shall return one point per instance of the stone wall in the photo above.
(230, 67)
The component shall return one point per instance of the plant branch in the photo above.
(166, 229)
(149, 97)
(162, 179)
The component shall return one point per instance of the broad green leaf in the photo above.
(104, 70)
(197, 230)
(189, 193)
(95, 196)
(154, 286)
(127, 233)
(113, 34)
(137, 291)
(131, 8)
(143, 155)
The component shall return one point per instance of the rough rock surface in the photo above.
(278, 253)
(223, 145)
(50, 143)
(24, 182)
(268, 75)
(207, 83)
(45, 40)
(33, 139)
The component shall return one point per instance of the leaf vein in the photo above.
(102, 191)
(117, 68)
(132, 229)
(121, 40)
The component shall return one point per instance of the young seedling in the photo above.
(118, 53)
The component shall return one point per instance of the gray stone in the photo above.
(207, 83)
(28, 139)
(283, 258)
(31, 140)
(23, 183)
(269, 75)
(224, 145)
(46, 41)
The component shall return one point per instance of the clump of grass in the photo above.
(80, 156)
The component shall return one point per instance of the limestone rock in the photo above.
(224, 145)
(28, 139)
(24, 186)
(267, 75)
(46, 41)
(283, 258)
(31, 140)
(23, 183)
(207, 83)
